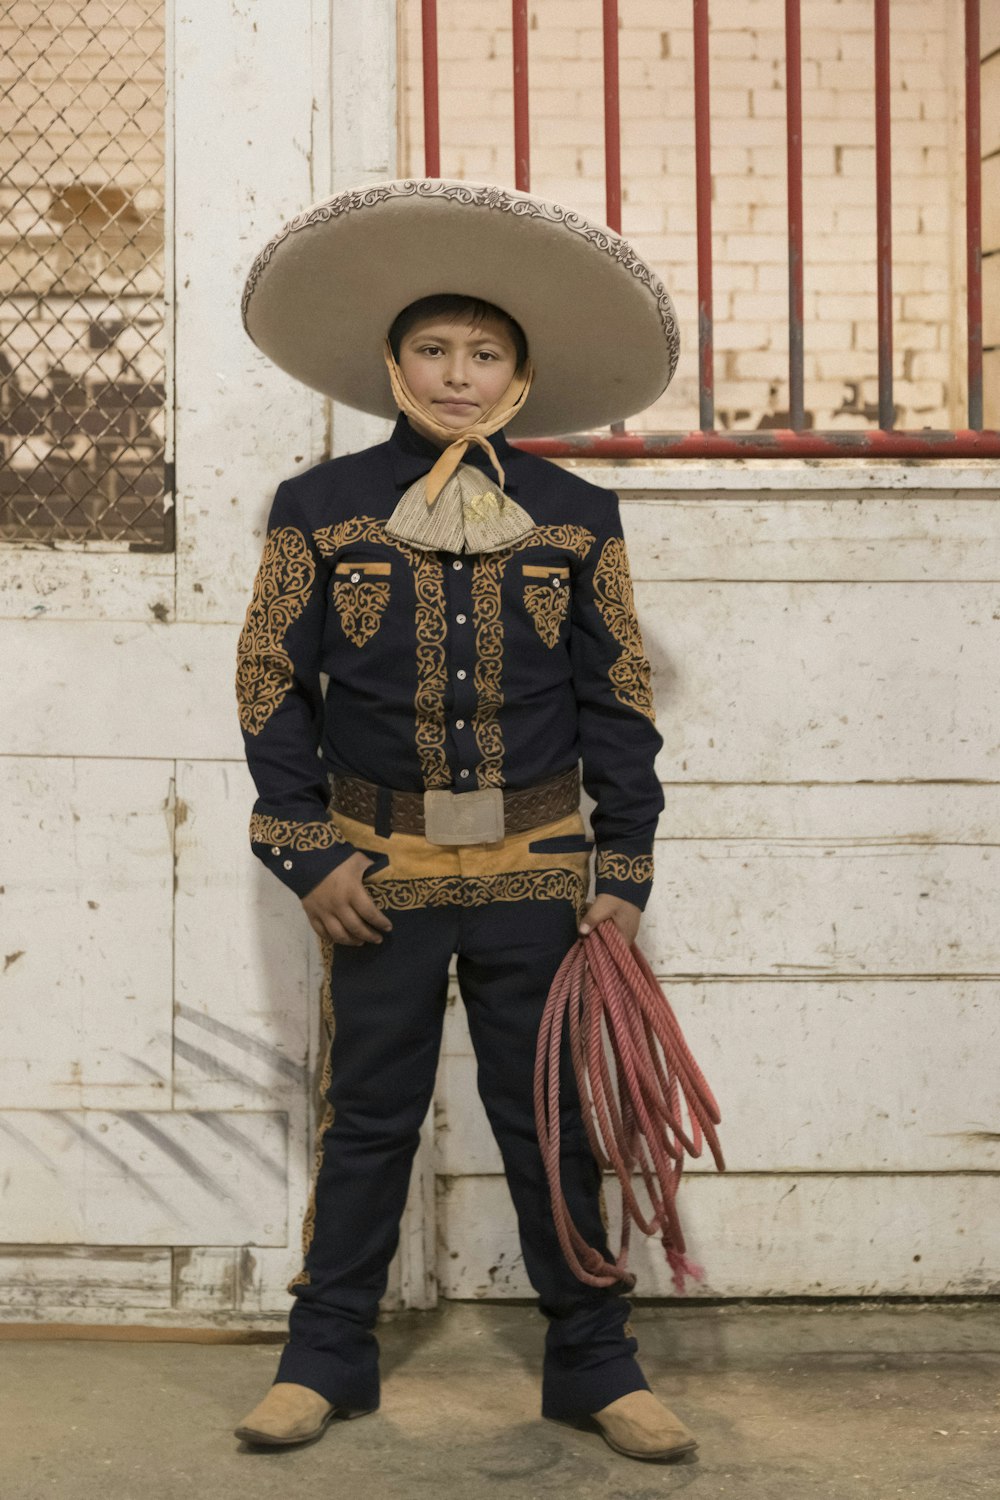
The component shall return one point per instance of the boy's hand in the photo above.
(341, 908)
(625, 915)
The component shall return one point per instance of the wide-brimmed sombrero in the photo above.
(322, 293)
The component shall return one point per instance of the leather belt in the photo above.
(443, 816)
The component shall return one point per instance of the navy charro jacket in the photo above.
(444, 669)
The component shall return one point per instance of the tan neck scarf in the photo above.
(456, 507)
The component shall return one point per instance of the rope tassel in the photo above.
(605, 991)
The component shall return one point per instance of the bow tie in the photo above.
(470, 514)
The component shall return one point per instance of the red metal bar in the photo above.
(973, 215)
(522, 134)
(432, 106)
(703, 201)
(883, 212)
(612, 120)
(793, 114)
(775, 442)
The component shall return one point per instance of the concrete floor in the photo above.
(788, 1403)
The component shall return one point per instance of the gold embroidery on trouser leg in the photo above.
(630, 674)
(431, 626)
(360, 607)
(280, 592)
(324, 1112)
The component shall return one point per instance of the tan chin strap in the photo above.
(498, 415)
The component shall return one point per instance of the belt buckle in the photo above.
(463, 817)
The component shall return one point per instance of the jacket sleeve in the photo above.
(280, 704)
(619, 740)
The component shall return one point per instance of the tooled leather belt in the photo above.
(523, 808)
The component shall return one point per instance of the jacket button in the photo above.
(456, 563)
(275, 849)
(459, 723)
(460, 619)
(556, 582)
(288, 864)
(463, 773)
(355, 577)
(461, 673)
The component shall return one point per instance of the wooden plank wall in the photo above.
(824, 911)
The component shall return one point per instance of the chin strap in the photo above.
(498, 415)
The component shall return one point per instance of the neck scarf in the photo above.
(455, 507)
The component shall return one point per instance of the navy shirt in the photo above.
(452, 670)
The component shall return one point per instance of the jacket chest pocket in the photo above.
(361, 592)
(546, 598)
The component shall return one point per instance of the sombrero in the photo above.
(320, 296)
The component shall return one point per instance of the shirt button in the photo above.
(460, 619)
(456, 563)
(459, 723)
(288, 864)
(461, 673)
(463, 773)
(275, 849)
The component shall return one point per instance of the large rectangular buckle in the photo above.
(463, 817)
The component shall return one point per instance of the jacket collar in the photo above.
(412, 455)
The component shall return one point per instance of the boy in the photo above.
(472, 608)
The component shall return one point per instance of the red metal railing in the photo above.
(885, 441)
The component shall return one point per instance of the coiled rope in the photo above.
(604, 983)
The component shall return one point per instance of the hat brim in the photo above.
(601, 329)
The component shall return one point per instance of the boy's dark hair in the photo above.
(452, 304)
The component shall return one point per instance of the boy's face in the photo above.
(457, 370)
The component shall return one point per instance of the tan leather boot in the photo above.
(640, 1426)
(290, 1413)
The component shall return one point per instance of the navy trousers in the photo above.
(388, 1004)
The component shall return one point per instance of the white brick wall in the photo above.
(748, 158)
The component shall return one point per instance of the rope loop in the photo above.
(606, 997)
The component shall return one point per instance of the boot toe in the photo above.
(640, 1426)
(289, 1413)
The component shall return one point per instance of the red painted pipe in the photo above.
(432, 106)
(775, 442)
(883, 213)
(522, 131)
(703, 202)
(612, 120)
(793, 112)
(973, 215)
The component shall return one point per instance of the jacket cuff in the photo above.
(627, 873)
(301, 854)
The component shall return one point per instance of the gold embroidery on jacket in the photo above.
(487, 580)
(280, 594)
(547, 603)
(630, 675)
(432, 670)
(614, 866)
(299, 836)
(360, 606)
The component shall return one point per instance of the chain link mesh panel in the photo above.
(82, 364)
